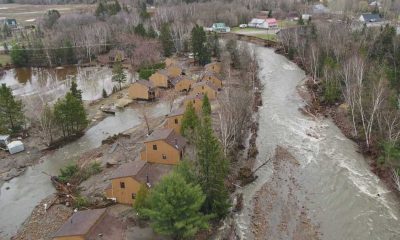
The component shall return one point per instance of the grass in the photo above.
(5, 59)
(286, 23)
(271, 37)
(238, 29)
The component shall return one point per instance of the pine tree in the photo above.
(140, 30)
(19, 56)
(206, 106)
(212, 170)
(118, 74)
(75, 91)
(11, 114)
(174, 208)
(141, 201)
(104, 94)
(151, 33)
(166, 40)
(300, 21)
(190, 121)
(101, 10)
(200, 47)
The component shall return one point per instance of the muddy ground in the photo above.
(278, 212)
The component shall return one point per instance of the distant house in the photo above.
(212, 78)
(265, 23)
(143, 90)
(90, 224)
(128, 178)
(370, 18)
(112, 57)
(10, 22)
(214, 67)
(205, 88)
(182, 83)
(160, 79)
(196, 100)
(163, 146)
(306, 17)
(293, 16)
(220, 27)
(174, 120)
(174, 71)
(319, 9)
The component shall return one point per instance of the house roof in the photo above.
(178, 79)
(152, 173)
(209, 84)
(211, 63)
(177, 112)
(80, 223)
(219, 25)
(169, 136)
(197, 96)
(257, 21)
(163, 72)
(145, 83)
(370, 17)
(130, 169)
(271, 21)
(209, 74)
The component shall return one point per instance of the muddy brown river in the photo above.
(332, 184)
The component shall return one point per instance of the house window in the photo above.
(176, 121)
(133, 195)
(194, 101)
(154, 147)
(164, 156)
(202, 87)
(121, 184)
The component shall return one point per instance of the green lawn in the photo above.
(238, 29)
(286, 23)
(5, 59)
(265, 36)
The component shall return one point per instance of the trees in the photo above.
(118, 74)
(140, 30)
(174, 208)
(200, 48)
(19, 55)
(11, 114)
(190, 121)
(206, 107)
(166, 40)
(47, 124)
(212, 170)
(70, 115)
(75, 91)
(50, 18)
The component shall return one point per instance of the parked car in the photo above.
(243, 25)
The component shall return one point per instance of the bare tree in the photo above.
(395, 177)
(145, 116)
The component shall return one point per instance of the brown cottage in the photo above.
(88, 225)
(182, 83)
(174, 120)
(170, 61)
(143, 90)
(174, 71)
(160, 79)
(214, 67)
(205, 88)
(196, 100)
(128, 178)
(163, 146)
(212, 78)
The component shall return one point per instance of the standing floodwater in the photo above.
(330, 182)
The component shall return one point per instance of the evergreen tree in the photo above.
(200, 47)
(151, 33)
(140, 30)
(300, 21)
(101, 10)
(19, 56)
(214, 45)
(189, 122)
(212, 170)
(118, 74)
(11, 115)
(69, 54)
(166, 40)
(104, 93)
(174, 208)
(206, 106)
(270, 13)
(143, 11)
(141, 201)
(51, 17)
(114, 8)
(75, 91)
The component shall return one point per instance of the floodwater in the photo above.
(52, 83)
(345, 199)
(27, 190)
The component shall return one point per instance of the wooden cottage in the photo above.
(128, 178)
(212, 78)
(163, 146)
(196, 100)
(205, 88)
(160, 79)
(214, 67)
(143, 90)
(174, 71)
(182, 83)
(90, 224)
(174, 120)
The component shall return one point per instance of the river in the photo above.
(343, 197)
(19, 196)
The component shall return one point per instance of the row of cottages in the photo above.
(90, 224)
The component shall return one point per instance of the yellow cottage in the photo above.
(174, 120)
(163, 146)
(196, 100)
(160, 79)
(214, 67)
(143, 90)
(212, 78)
(205, 88)
(174, 71)
(182, 83)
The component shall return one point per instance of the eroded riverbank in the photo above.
(342, 197)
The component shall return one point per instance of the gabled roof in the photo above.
(197, 96)
(178, 79)
(146, 83)
(80, 223)
(219, 25)
(169, 136)
(163, 72)
(177, 112)
(152, 173)
(130, 169)
(209, 74)
(370, 17)
(209, 84)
